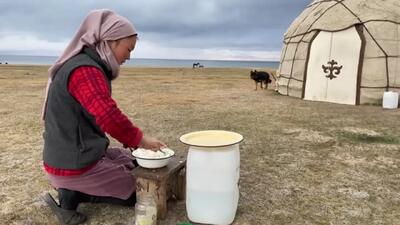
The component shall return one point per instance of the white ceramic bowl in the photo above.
(152, 161)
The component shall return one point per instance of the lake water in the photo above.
(138, 62)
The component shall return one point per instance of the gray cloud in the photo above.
(234, 24)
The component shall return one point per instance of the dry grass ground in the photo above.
(301, 162)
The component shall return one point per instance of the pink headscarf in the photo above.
(97, 28)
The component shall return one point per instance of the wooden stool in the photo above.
(162, 183)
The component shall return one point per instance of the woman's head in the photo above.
(122, 48)
(98, 30)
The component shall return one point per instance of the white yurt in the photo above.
(342, 51)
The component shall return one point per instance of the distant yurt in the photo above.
(342, 51)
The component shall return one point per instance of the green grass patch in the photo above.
(365, 138)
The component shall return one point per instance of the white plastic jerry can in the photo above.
(212, 176)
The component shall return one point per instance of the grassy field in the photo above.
(302, 162)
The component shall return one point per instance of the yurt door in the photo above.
(333, 67)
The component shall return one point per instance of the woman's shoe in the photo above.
(64, 216)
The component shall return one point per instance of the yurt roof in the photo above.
(333, 15)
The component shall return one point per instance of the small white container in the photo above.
(390, 100)
(212, 176)
(145, 210)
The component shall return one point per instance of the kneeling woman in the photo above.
(79, 111)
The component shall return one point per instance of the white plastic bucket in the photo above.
(390, 100)
(212, 176)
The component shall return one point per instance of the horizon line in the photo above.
(246, 60)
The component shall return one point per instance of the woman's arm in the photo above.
(88, 86)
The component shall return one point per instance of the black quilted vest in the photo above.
(72, 139)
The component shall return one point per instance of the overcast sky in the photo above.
(176, 29)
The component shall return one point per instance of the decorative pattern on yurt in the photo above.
(342, 51)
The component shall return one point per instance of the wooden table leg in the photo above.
(159, 192)
(162, 183)
(181, 189)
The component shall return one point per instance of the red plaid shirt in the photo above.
(88, 86)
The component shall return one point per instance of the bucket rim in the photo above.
(188, 138)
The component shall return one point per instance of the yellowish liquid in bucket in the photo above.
(211, 138)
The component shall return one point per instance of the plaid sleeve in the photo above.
(88, 86)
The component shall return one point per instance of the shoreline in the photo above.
(123, 67)
(138, 62)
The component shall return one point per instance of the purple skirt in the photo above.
(110, 177)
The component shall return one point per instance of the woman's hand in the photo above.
(151, 143)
